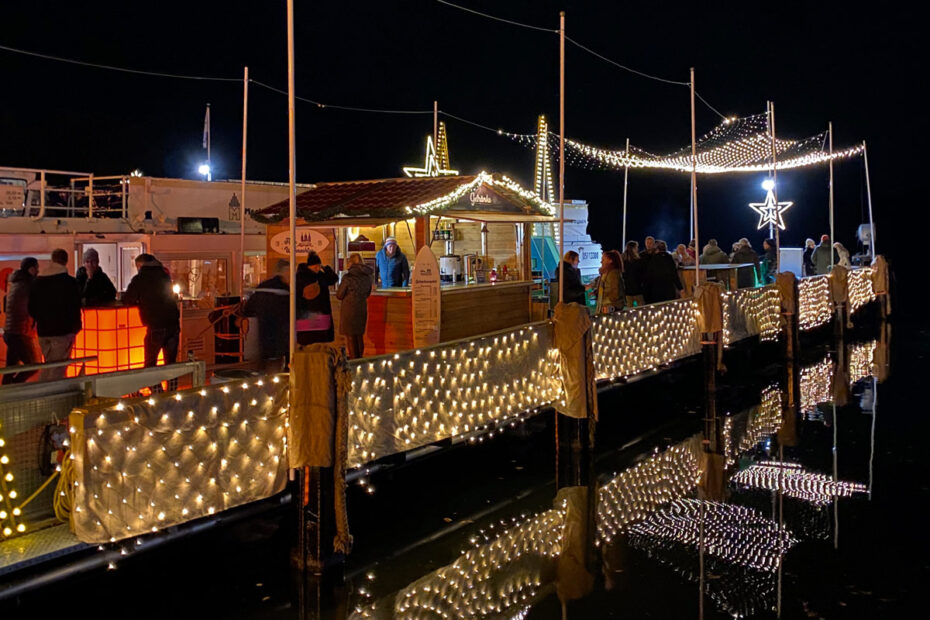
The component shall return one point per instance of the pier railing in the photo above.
(407, 400)
(144, 464)
(154, 462)
(643, 338)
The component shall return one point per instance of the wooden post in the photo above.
(561, 156)
(694, 205)
(771, 111)
(830, 136)
(626, 174)
(245, 128)
(868, 194)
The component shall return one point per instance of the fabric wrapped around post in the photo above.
(710, 309)
(573, 579)
(318, 422)
(787, 285)
(839, 284)
(880, 282)
(573, 339)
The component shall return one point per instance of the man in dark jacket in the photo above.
(55, 304)
(19, 331)
(270, 303)
(393, 268)
(150, 289)
(660, 280)
(746, 277)
(96, 287)
(824, 257)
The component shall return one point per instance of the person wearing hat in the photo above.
(19, 331)
(823, 256)
(96, 287)
(393, 269)
(314, 310)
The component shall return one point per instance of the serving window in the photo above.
(201, 280)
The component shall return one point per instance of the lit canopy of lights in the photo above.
(738, 144)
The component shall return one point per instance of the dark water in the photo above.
(799, 492)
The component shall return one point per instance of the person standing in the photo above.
(633, 274)
(393, 269)
(96, 287)
(661, 281)
(270, 303)
(150, 289)
(19, 332)
(683, 256)
(573, 291)
(353, 292)
(55, 304)
(610, 283)
(823, 256)
(746, 276)
(314, 309)
(808, 264)
(769, 261)
(713, 255)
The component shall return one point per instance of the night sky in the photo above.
(819, 62)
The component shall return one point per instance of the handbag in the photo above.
(314, 322)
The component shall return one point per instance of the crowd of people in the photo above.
(43, 310)
(651, 275)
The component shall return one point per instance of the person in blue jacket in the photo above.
(393, 269)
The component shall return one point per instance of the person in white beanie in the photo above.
(393, 269)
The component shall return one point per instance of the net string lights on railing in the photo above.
(793, 481)
(10, 512)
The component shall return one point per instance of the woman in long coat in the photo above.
(314, 310)
(353, 292)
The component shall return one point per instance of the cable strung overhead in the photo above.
(736, 145)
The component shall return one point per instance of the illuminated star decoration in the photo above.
(436, 164)
(770, 211)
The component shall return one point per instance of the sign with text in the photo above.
(307, 239)
(12, 196)
(577, 239)
(425, 305)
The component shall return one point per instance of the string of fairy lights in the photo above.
(737, 144)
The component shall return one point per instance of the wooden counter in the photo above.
(466, 310)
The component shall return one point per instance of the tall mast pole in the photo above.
(209, 139)
(561, 156)
(245, 133)
(436, 132)
(292, 180)
(868, 194)
(830, 137)
(694, 205)
(626, 175)
(771, 111)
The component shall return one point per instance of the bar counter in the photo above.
(465, 310)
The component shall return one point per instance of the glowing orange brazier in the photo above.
(115, 335)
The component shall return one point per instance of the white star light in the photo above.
(431, 166)
(770, 211)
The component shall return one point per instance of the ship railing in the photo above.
(70, 194)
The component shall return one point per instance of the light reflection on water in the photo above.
(721, 509)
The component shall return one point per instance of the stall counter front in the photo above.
(465, 310)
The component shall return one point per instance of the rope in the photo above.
(37, 491)
(320, 104)
(64, 490)
(498, 19)
(205, 78)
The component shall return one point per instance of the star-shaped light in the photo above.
(770, 211)
(431, 167)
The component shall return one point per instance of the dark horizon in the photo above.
(824, 65)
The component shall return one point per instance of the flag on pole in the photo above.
(206, 128)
